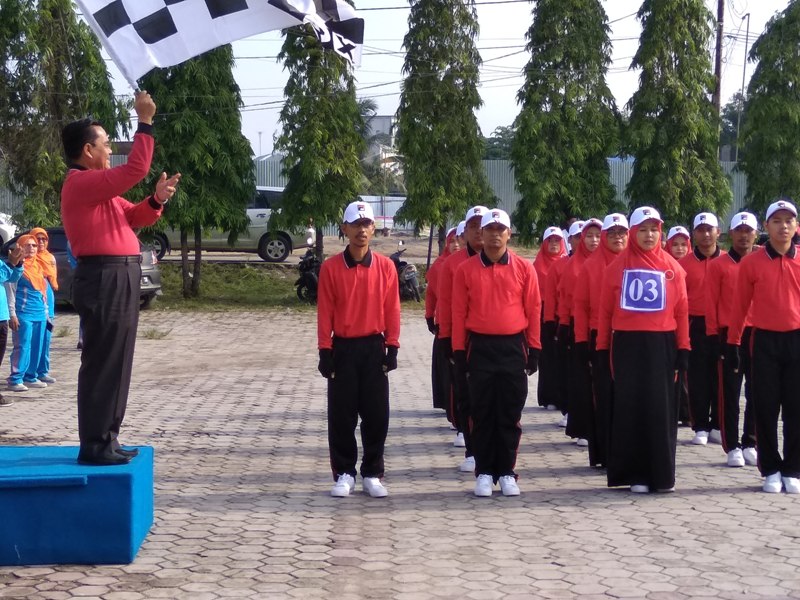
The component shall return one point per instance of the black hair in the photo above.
(76, 135)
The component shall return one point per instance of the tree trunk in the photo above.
(198, 260)
(442, 235)
(186, 276)
(320, 243)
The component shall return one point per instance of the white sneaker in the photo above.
(47, 379)
(750, 456)
(736, 458)
(459, 441)
(467, 465)
(343, 486)
(35, 384)
(791, 485)
(483, 486)
(582, 442)
(715, 437)
(700, 438)
(508, 485)
(563, 421)
(374, 487)
(17, 387)
(773, 484)
(640, 489)
(551, 407)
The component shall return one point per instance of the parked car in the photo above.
(7, 228)
(151, 275)
(270, 246)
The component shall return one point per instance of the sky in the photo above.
(503, 24)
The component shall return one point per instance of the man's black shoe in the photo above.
(129, 453)
(105, 460)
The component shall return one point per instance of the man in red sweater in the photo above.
(358, 331)
(768, 286)
(99, 225)
(496, 329)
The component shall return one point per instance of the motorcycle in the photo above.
(406, 275)
(309, 277)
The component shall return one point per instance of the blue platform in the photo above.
(55, 511)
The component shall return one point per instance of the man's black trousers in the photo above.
(730, 386)
(360, 388)
(702, 378)
(106, 295)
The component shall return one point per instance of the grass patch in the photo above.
(155, 334)
(62, 331)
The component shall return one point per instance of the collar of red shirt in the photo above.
(488, 263)
(700, 256)
(470, 251)
(350, 261)
(772, 253)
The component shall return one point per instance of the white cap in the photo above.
(496, 216)
(678, 230)
(460, 228)
(744, 218)
(358, 210)
(615, 220)
(476, 211)
(450, 231)
(576, 228)
(705, 218)
(781, 205)
(550, 232)
(644, 213)
(592, 223)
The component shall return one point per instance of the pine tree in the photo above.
(770, 131)
(673, 130)
(568, 125)
(437, 131)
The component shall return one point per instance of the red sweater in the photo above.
(586, 297)
(696, 266)
(674, 316)
(432, 277)
(768, 285)
(358, 299)
(96, 219)
(444, 290)
(499, 298)
(551, 291)
(720, 290)
(566, 286)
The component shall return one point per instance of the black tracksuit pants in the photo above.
(730, 385)
(498, 388)
(106, 295)
(441, 378)
(462, 408)
(702, 378)
(360, 388)
(775, 388)
(563, 360)
(581, 409)
(547, 386)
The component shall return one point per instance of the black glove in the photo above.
(548, 331)
(533, 361)
(714, 346)
(431, 325)
(603, 360)
(460, 363)
(582, 352)
(325, 365)
(390, 360)
(682, 361)
(447, 348)
(732, 358)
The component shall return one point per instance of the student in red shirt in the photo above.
(496, 316)
(768, 286)
(358, 330)
(702, 373)
(643, 336)
(678, 242)
(720, 290)
(586, 308)
(552, 249)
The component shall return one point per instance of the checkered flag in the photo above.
(143, 34)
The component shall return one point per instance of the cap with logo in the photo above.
(678, 230)
(644, 213)
(615, 220)
(592, 223)
(476, 211)
(495, 215)
(460, 229)
(705, 218)
(358, 210)
(781, 205)
(550, 232)
(451, 231)
(576, 228)
(744, 218)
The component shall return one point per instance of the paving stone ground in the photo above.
(235, 410)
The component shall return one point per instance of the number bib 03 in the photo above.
(643, 290)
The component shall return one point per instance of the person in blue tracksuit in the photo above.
(50, 272)
(10, 273)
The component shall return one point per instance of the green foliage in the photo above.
(771, 124)
(321, 136)
(498, 145)
(568, 125)
(674, 131)
(437, 132)
(51, 73)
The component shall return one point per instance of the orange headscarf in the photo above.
(45, 259)
(32, 270)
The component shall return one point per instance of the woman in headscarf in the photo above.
(552, 249)
(48, 265)
(28, 307)
(643, 337)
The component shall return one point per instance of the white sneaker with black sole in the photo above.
(467, 465)
(483, 486)
(343, 486)
(508, 485)
(374, 487)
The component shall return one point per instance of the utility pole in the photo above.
(741, 98)
(259, 143)
(716, 100)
